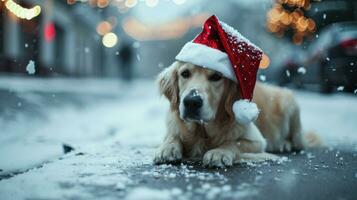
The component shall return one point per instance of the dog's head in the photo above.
(198, 94)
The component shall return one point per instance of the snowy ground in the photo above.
(115, 128)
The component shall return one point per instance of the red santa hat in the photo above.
(222, 48)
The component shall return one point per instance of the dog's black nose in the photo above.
(192, 102)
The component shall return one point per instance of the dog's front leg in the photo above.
(223, 156)
(170, 151)
(252, 140)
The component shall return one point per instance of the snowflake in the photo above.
(301, 70)
(263, 78)
(30, 68)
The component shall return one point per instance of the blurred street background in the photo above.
(80, 115)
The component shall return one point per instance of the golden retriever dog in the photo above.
(201, 123)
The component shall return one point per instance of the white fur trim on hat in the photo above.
(207, 57)
(245, 111)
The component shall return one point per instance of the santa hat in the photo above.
(222, 48)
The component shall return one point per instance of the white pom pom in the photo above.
(245, 111)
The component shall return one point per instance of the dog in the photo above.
(201, 123)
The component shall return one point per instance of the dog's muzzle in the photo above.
(192, 105)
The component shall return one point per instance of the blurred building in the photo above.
(68, 37)
(62, 40)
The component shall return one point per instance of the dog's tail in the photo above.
(312, 140)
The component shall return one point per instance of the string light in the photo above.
(123, 5)
(279, 19)
(21, 12)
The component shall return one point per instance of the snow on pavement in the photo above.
(332, 117)
(137, 117)
(114, 137)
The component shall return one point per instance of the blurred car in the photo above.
(330, 61)
(288, 69)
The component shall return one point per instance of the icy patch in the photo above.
(30, 68)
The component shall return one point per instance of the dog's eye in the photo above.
(186, 74)
(215, 77)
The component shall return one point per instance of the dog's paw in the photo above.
(218, 158)
(286, 146)
(168, 153)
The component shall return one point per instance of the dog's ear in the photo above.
(231, 94)
(168, 84)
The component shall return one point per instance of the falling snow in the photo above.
(160, 65)
(302, 70)
(287, 73)
(340, 88)
(262, 78)
(30, 68)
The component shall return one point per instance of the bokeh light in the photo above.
(110, 40)
(21, 12)
(104, 27)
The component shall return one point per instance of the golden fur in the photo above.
(218, 138)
